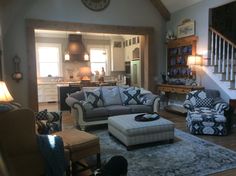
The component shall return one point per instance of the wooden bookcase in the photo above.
(177, 55)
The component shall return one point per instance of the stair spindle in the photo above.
(219, 56)
(232, 64)
(227, 63)
(212, 47)
(223, 57)
(215, 51)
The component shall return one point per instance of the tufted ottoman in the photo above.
(131, 132)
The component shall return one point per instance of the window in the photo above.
(48, 59)
(98, 59)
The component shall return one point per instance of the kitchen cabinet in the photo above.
(117, 59)
(47, 92)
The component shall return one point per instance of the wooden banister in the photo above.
(222, 36)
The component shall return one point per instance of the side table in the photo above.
(179, 89)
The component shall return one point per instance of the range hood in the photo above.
(76, 47)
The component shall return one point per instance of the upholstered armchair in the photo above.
(206, 112)
(21, 147)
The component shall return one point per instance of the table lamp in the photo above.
(193, 61)
(5, 95)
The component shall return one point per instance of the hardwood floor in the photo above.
(228, 141)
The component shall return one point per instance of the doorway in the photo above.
(147, 70)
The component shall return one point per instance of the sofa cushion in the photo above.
(96, 112)
(94, 97)
(111, 96)
(140, 108)
(118, 109)
(131, 97)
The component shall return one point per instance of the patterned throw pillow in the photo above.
(132, 97)
(42, 115)
(54, 121)
(94, 97)
(206, 102)
(122, 95)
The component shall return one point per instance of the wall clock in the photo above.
(96, 5)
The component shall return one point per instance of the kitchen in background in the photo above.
(62, 55)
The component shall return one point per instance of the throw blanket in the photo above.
(52, 150)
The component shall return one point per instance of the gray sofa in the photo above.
(93, 105)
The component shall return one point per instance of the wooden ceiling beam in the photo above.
(162, 9)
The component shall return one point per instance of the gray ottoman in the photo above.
(131, 132)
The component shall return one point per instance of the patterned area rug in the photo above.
(188, 155)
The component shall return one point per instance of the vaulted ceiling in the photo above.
(166, 7)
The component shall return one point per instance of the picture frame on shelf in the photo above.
(186, 29)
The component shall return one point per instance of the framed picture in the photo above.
(186, 29)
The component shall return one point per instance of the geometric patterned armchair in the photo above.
(206, 112)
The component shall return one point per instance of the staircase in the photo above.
(222, 58)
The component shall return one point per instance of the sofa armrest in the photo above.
(220, 107)
(70, 101)
(151, 99)
(188, 105)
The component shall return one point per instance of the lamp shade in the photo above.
(194, 60)
(5, 96)
(85, 73)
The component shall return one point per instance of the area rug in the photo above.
(188, 155)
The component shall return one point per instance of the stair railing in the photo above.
(222, 54)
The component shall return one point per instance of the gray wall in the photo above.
(122, 12)
(199, 12)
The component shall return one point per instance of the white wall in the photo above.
(122, 12)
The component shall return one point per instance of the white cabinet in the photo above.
(47, 92)
(117, 57)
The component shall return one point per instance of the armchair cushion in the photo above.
(206, 102)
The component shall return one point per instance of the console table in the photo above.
(179, 89)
